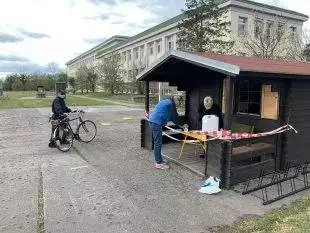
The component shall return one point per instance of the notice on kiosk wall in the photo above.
(269, 103)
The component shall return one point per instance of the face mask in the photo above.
(62, 96)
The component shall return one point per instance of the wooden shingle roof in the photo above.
(258, 65)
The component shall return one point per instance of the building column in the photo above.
(159, 90)
(175, 45)
(164, 45)
(160, 84)
(132, 58)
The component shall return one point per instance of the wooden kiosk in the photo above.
(262, 94)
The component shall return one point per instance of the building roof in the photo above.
(224, 64)
(270, 7)
(258, 65)
(191, 58)
(173, 21)
(104, 43)
(179, 17)
(158, 27)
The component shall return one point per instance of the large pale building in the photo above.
(138, 51)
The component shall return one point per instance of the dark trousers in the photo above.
(157, 137)
(52, 133)
(54, 126)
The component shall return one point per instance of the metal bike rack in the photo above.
(276, 179)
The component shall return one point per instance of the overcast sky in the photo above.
(36, 32)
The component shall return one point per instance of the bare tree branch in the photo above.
(274, 39)
(110, 73)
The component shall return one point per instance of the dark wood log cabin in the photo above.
(265, 94)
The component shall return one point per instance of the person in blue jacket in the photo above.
(164, 111)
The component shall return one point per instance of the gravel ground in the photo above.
(108, 185)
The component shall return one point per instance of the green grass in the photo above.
(17, 100)
(76, 101)
(128, 98)
(292, 219)
(117, 98)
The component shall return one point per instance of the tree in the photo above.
(81, 82)
(86, 79)
(9, 81)
(1, 87)
(91, 79)
(52, 68)
(23, 80)
(306, 52)
(204, 28)
(137, 69)
(275, 39)
(110, 73)
(62, 77)
(72, 83)
(15, 82)
(17, 85)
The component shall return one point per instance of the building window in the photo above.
(293, 30)
(125, 75)
(242, 23)
(141, 52)
(170, 45)
(124, 58)
(129, 55)
(269, 29)
(280, 29)
(248, 97)
(158, 46)
(151, 49)
(136, 53)
(258, 28)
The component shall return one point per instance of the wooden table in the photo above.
(200, 138)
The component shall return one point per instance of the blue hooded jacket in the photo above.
(163, 112)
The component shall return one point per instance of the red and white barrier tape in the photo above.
(227, 135)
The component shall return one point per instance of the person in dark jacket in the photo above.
(59, 108)
(208, 107)
(164, 111)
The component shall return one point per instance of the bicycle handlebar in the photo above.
(67, 115)
(78, 111)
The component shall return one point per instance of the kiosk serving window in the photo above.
(252, 97)
(248, 97)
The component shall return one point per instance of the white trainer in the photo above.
(161, 166)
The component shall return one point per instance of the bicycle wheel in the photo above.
(87, 131)
(64, 138)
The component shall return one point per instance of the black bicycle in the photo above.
(64, 135)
